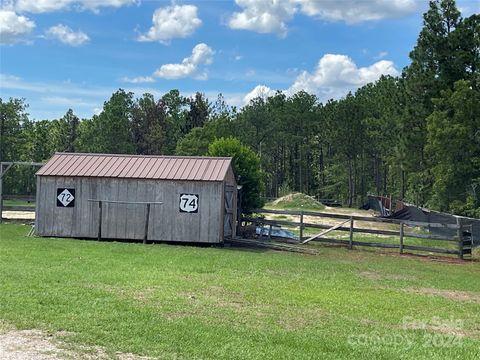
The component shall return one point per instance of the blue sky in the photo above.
(60, 54)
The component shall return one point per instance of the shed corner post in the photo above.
(37, 202)
(145, 237)
(100, 220)
(239, 210)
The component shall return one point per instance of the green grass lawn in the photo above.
(18, 203)
(183, 302)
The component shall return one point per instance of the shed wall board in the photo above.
(127, 221)
(230, 180)
(230, 177)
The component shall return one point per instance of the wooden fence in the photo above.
(5, 166)
(462, 238)
(23, 198)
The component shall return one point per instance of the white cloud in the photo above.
(202, 54)
(468, 7)
(356, 11)
(175, 71)
(9, 78)
(43, 6)
(13, 27)
(71, 102)
(94, 5)
(66, 35)
(176, 21)
(138, 79)
(334, 76)
(260, 91)
(203, 75)
(50, 99)
(381, 55)
(271, 16)
(263, 16)
(12, 82)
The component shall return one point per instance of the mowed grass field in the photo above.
(184, 302)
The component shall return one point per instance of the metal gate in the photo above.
(228, 214)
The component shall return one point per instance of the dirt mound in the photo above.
(297, 201)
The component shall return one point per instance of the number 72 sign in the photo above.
(189, 203)
(65, 197)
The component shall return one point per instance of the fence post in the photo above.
(402, 225)
(301, 225)
(270, 232)
(146, 224)
(350, 239)
(100, 221)
(460, 238)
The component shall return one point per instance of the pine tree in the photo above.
(72, 122)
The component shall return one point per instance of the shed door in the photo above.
(228, 216)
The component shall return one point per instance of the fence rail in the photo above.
(22, 198)
(356, 218)
(18, 208)
(462, 239)
(28, 198)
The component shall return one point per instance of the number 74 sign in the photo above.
(189, 203)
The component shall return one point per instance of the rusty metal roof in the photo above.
(198, 168)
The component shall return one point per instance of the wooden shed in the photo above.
(163, 198)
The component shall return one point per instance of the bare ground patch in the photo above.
(141, 295)
(446, 329)
(19, 215)
(250, 312)
(28, 345)
(447, 294)
(374, 275)
(450, 327)
(37, 345)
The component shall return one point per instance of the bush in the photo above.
(246, 166)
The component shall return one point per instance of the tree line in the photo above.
(415, 137)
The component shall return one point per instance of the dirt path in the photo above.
(28, 345)
(340, 211)
(36, 345)
(18, 215)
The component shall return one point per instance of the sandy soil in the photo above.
(332, 222)
(28, 345)
(36, 345)
(19, 215)
(448, 294)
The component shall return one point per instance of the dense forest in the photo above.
(415, 137)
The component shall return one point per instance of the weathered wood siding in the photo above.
(230, 180)
(127, 221)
